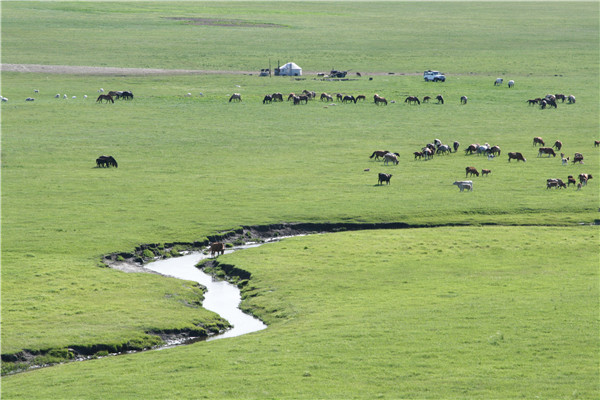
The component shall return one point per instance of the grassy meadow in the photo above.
(474, 311)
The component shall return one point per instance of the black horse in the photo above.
(127, 96)
(106, 161)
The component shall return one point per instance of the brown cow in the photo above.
(216, 248)
(485, 172)
(516, 156)
(546, 150)
(538, 140)
(472, 171)
(570, 180)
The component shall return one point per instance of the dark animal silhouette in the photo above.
(106, 161)
(384, 178)
(106, 97)
(216, 248)
(516, 156)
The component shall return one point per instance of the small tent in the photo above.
(289, 69)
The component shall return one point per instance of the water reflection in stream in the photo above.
(220, 297)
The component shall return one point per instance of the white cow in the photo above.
(462, 185)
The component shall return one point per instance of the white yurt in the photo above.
(289, 69)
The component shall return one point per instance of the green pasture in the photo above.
(440, 312)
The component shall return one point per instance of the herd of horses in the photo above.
(551, 100)
(112, 95)
(438, 148)
(307, 95)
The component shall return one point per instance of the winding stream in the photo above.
(220, 297)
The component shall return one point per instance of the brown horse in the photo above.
(106, 97)
(412, 100)
(379, 154)
(557, 145)
(326, 97)
(378, 99)
(516, 156)
(546, 150)
(216, 248)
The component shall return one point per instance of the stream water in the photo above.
(220, 297)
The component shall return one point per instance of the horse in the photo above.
(379, 153)
(418, 154)
(277, 96)
(106, 97)
(533, 102)
(511, 83)
(498, 81)
(426, 99)
(326, 97)
(268, 99)
(455, 146)
(348, 98)
(439, 99)
(384, 178)
(106, 161)
(412, 100)
(485, 172)
(127, 95)
(360, 96)
(538, 140)
(236, 97)
(560, 96)
(463, 100)
(596, 143)
(393, 157)
(339, 96)
(291, 96)
(578, 157)
(546, 150)
(378, 99)
(571, 99)
(443, 149)
(472, 148)
(516, 156)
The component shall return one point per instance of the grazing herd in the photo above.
(438, 148)
(551, 100)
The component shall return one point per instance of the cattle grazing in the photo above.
(472, 148)
(578, 157)
(393, 157)
(516, 156)
(443, 149)
(565, 161)
(472, 171)
(485, 172)
(494, 150)
(412, 100)
(571, 180)
(106, 161)
(418, 154)
(555, 183)
(596, 143)
(538, 140)
(384, 178)
(379, 154)
(584, 178)
(546, 150)
(463, 100)
(557, 145)
(235, 97)
(571, 99)
(439, 99)
(560, 96)
(268, 99)
(462, 185)
(216, 248)
(455, 146)
(511, 83)
(427, 153)
(498, 81)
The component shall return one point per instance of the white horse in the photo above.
(390, 157)
(462, 185)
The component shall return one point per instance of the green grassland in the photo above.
(501, 312)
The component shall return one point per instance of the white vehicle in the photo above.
(433, 76)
